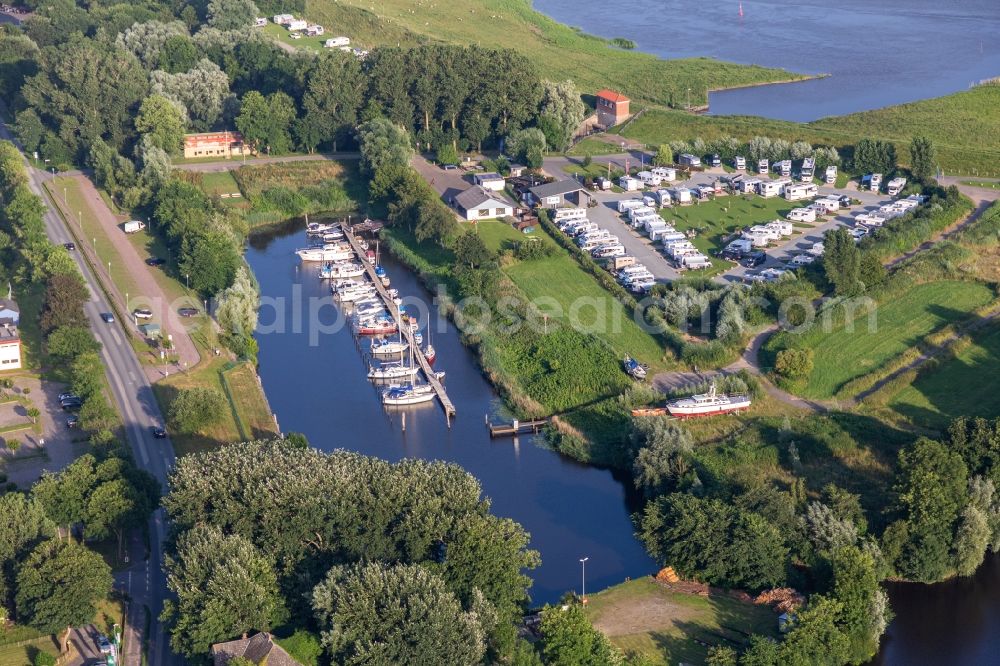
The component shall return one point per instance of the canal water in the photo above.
(316, 384)
(877, 52)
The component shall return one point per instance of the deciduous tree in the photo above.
(162, 121)
(922, 158)
(58, 585)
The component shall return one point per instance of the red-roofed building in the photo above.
(214, 144)
(612, 108)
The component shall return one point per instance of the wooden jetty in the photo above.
(446, 403)
(516, 428)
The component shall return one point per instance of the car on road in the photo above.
(188, 312)
(159, 433)
(104, 645)
(754, 259)
(450, 167)
(155, 261)
(142, 313)
(108, 317)
(69, 246)
(72, 421)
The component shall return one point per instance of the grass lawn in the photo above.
(224, 431)
(988, 184)
(22, 655)
(962, 126)
(663, 626)
(718, 218)
(842, 355)
(965, 385)
(559, 277)
(252, 411)
(499, 235)
(218, 182)
(594, 147)
(559, 51)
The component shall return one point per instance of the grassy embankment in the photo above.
(560, 51)
(662, 625)
(558, 368)
(964, 127)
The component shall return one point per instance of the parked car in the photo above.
(142, 313)
(754, 259)
(159, 433)
(450, 167)
(108, 317)
(72, 406)
(731, 254)
(155, 261)
(845, 201)
(70, 399)
(63, 396)
(69, 246)
(188, 312)
(716, 160)
(104, 645)
(72, 421)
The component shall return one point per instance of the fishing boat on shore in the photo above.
(634, 368)
(408, 394)
(708, 404)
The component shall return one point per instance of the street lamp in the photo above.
(79, 217)
(187, 281)
(583, 587)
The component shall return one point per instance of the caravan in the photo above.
(769, 188)
(802, 214)
(800, 191)
(681, 195)
(566, 214)
(630, 184)
(625, 205)
(665, 173)
(649, 179)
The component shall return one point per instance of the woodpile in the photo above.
(782, 599)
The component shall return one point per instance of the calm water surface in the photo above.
(877, 52)
(571, 510)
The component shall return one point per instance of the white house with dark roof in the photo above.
(491, 181)
(478, 203)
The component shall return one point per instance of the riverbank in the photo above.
(559, 51)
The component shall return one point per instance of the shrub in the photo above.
(793, 363)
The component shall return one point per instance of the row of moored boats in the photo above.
(381, 320)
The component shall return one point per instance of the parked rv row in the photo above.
(873, 183)
(784, 167)
(877, 218)
(588, 236)
(676, 246)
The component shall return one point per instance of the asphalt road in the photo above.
(137, 405)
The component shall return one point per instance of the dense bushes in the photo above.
(907, 232)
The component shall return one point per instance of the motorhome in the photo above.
(663, 197)
(895, 186)
(785, 168)
(681, 195)
(625, 205)
(259, 22)
(802, 215)
(762, 167)
(781, 227)
(595, 234)
(695, 262)
(808, 169)
(650, 226)
(828, 204)
(749, 186)
(689, 160)
(800, 191)
(831, 175)
(630, 184)
(608, 251)
(769, 188)
(665, 173)
(703, 192)
(681, 249)
(566, 214)
(604, 183)
(641, 211)
(585, 228)
(668, 235)
(876, 182)
(740, 163)
(297, 25)
(649, 179)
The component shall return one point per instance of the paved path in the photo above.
(230, 165)
(150, 294)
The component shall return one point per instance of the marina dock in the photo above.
(442, 395)
(516, 428)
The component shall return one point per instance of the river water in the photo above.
(877, 52)
(317, 385)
